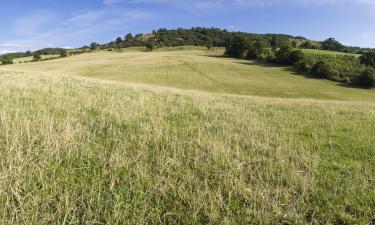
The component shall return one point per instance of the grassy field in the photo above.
(324, 52)
(196, 70)
(78, 150)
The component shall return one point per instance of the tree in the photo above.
(283, 54)
(368, 59)
(150, 46)
(321, 69)
(366, 79)
(118, 42)
(332, 45)
(295, 56)
(7, 59)
(238, 47)
(94, 46)
(209, 45)
(36, 57)
(63, 53)
(259, 50)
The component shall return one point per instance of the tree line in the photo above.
(7, 59)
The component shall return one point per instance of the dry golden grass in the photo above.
(222, 142)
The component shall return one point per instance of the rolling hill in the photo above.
(182, 137)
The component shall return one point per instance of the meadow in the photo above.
(182, 137)
(195, 68)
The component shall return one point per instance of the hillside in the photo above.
(78, 150)
(182, 137)
(197, 69)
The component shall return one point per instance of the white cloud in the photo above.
(47, 30)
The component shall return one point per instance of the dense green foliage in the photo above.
(337, 67)
(368, 59)
(6, 60)
(36, 57)
(332, 45)
(347, 66)
(63, 53)
(238, 47)
(197, 36)
(366, 79)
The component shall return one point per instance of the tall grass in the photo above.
(78, 151)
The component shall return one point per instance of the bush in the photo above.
(238, 47)
(6, 60)
(150, 46)
(368, 59)
(63, 53)
(303, 66)
(295, 57)
(366, 79)
(283, 55)
(321, 70)
(36, 57)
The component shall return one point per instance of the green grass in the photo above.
(79, 150)
(197, 70)
(317, 51)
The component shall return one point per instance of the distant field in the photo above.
(317, 51)
(28, 59)
(196, 69)
(83, 151)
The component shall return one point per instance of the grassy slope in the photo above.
(195, 69)
(79, 150)
(317, 51)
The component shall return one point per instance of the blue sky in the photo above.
(26, 24)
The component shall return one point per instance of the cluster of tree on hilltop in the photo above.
(197, 36)
(215, 37)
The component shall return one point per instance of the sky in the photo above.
(30, 25)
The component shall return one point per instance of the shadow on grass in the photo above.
(219, 56)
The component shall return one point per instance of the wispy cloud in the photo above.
(32, 33)
(33, 22)
(252, 3)
(111, 2)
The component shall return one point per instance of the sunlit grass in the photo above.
(77, 151)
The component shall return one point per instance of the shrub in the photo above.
(366, 79)
(283, 55)
(321, 69)
(36, 57)
(303, 66)
(368, 59)
(150, 46)
(238, 46)
(295, 57)
(63, 53)
(6, 60)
